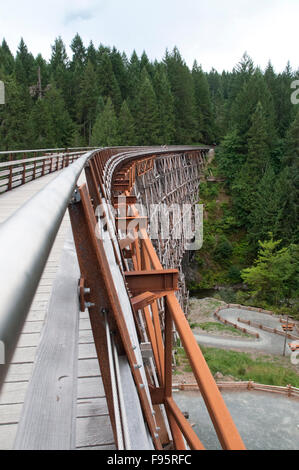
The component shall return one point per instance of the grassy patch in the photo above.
(214, 327)
(243, 366)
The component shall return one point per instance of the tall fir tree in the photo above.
(247, 179)
(14, 117)
(147, 113)
(61, 122)
(7, 62)
(105, 130)
(203, 106)
(126, 126)
(181, 83)
(87, 101)
(25, 66)
(165, 103)
(108, 85)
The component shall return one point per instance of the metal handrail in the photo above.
(15, 173)
(26, 239)
(9, 153)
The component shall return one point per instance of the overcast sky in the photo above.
(214, 32)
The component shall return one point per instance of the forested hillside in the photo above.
(101, 97)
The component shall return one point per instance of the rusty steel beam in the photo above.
(184, 425)
(226, 430)
(163, 280)
(127, 200)
(143, 300)
(131, 222)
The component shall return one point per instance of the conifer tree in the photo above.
(14, 117)
(87, 100)
(91, 55)
(42, 133)
(253, 91)
(61, 122)
(147, 113)
(287, 187)
(76, 68)
(59, 65)
(120, 70)
(79, 54)
(105, 130)
(25, 66)
(229, 156)
(126, 126)
(258, 158)
(181, 83)
(108, 85)
(267, 204)
(134, 73)
(165, 103)
(7, 62)
(258, 144)
(203, 105)
(292, 144)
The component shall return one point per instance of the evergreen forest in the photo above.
(101, 97)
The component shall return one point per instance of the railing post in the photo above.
(24, 173)
(10, 179)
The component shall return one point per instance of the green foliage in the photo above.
(14, 122)
(147, 113)
(165, 103)
(274, 277)
(218, 327)
(229, 155)
(244, 366)
(223, 249)
(126, 126)
(203, 105)
(105, 130)
(181, 84)
(99, 96)
(234, 274)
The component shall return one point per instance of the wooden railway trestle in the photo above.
(132, 286)
(124, 180)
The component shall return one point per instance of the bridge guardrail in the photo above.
(26, 239)
(18, 172)
(11, 155)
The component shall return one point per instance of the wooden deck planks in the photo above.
(19, 373)
(48, 413)
(93, 427)
(88, 419)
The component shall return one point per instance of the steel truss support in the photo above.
(162, 351)
(151, 286)
(103, 299)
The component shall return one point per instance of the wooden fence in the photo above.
(289, 390)
(254, 324)
(268, 329)
(227, 322)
